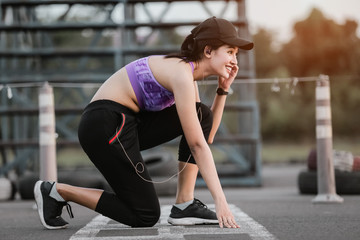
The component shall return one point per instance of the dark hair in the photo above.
(192, 50)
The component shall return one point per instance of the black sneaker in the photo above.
(194, 214)
(50, 209)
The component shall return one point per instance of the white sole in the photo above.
(39, 204)
(191, 221)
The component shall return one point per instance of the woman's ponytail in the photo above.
(188, 46)
(192, 50)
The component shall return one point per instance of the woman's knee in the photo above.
(147, 218)
(205, 117)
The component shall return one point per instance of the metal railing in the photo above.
(30, 54)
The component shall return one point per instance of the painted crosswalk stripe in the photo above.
(103, 228)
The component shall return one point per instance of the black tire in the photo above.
(307, 182)
(26, 185)
(346, 182)
(14, 190)
(82, 178)
(88, 178)
(161, 167)
(160, 164)
(167, 188)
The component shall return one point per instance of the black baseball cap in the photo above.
(218, 28)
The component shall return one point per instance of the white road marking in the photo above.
(248, 226)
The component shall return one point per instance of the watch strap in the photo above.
(221, 91)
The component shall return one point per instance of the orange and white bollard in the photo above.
(324, 145)
(47, 143)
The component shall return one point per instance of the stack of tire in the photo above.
(347, 173)
(163, 169)
(80, 176)
(161, 166)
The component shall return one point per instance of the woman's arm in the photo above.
(219, 103)
(217, 109)
(184, 93)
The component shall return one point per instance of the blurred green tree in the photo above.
(267, 58)
(319, 46)
(322, 46)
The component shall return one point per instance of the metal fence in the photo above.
(51, 41)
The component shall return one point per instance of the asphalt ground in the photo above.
(274, 211)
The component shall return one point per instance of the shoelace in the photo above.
(62, 204)
(198, 202)
(69, 210)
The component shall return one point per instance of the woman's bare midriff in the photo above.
(118, 88)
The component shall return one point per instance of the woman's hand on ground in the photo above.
(225, 217)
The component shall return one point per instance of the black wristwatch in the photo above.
(221, 91)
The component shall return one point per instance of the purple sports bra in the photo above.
(151, 96)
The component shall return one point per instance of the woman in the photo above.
(146, 103)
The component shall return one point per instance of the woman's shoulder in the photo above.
(169, 65)
(164, 59)
(170, 72)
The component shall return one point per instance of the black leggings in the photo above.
(111, 134)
